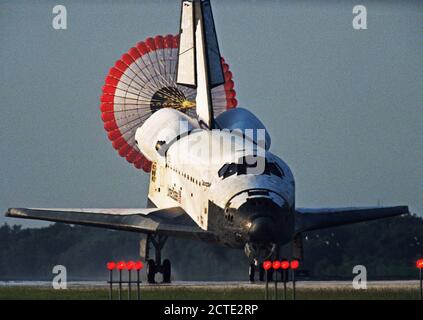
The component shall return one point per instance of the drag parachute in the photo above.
(144, 81)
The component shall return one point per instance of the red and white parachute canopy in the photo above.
(142, 82)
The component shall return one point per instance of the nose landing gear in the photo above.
(252, 271)
(156, 266)
(259, 252)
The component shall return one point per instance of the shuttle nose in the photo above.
(262, 229)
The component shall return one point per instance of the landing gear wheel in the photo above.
(167, 271)
(261, 273)
(251, 272)
(151, 271)
(155, 266)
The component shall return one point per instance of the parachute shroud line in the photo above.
(143, 81)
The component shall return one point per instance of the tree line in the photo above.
(388, 248)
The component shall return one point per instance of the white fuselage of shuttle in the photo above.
(205, 172)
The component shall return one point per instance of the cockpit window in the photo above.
(273, 168)
(229, 169)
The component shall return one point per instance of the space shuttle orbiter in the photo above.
(241, 198)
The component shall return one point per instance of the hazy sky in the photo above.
(344, 107)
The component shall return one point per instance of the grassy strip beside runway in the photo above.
(186, 293)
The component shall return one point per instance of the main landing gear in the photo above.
(297, 252)
(155, 265)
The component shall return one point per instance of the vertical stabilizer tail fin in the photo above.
(215, 70)
(199, 61)
(186, 73)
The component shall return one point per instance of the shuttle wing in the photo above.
(314, 219)
(171, 221)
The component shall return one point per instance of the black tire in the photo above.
(261, 272)
(252, 272)
(151, 271)
(167, 271)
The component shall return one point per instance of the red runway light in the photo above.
(138, 265)
(276, 265)
(285, 264)
(111, 265)
(295, 264)
(419, 264)
(267, 265)
(130, 265)
(121, 265)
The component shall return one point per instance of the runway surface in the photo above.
(225, 284)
